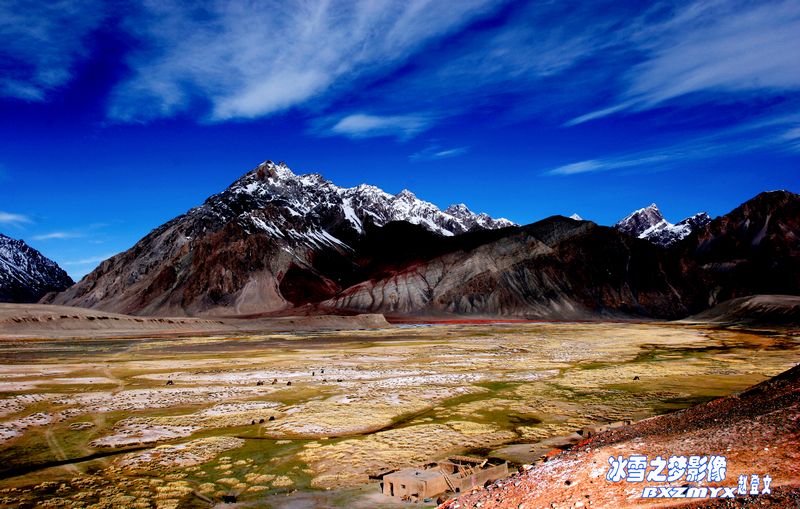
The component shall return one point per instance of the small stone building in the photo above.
(455, 474)
(590, 431)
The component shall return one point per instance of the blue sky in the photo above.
(118, 116)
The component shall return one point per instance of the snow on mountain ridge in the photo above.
(272, 185)
(639, 221)
(647, 223)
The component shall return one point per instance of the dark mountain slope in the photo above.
(555, 268)
(754, 249)
(26, 275)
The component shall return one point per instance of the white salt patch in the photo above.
(15, 428)
(130, 432)
(237, 408)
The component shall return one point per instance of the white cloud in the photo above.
(712, 46)
(362, 125)
(40, 43)
(58, 236)
(598, 114)
(773, 133)
(435, 152)
(793, 133)
(450, 152)
(8, 218)
(238, 59)
(579, 167)
(88, 261)
(251, 59)
(631, 161)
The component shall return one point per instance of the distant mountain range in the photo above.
(26, 275)
(279, 243)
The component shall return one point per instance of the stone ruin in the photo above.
(455, 474)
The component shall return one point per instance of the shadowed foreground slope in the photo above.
(768, 310)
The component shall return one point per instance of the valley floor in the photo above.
(304, 419)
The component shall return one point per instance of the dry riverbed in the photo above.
(303, 420)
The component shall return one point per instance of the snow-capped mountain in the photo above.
(648, 223)
(639, 221)
(25, 274)
(269, 235)
(323, 206)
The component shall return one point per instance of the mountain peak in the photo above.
(696, 220)
(270, 230)
(639, 221)
(648, 223)
(407, 195)
(269, 169)
(457, 209)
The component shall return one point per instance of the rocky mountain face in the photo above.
(276, 243)
(555, 268)
(639, 221)
(649, 224)
(25, 274)
(754, 249)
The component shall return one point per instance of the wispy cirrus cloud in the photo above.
(40, 42)
(435, 152)
(363, 125)
(719, 47)
(613, 163)
(92, 260)
(396, 68)
(569, 62)
(532, 59)
(11, 219)
(778, 133)
(248, 59)
(58, 236)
